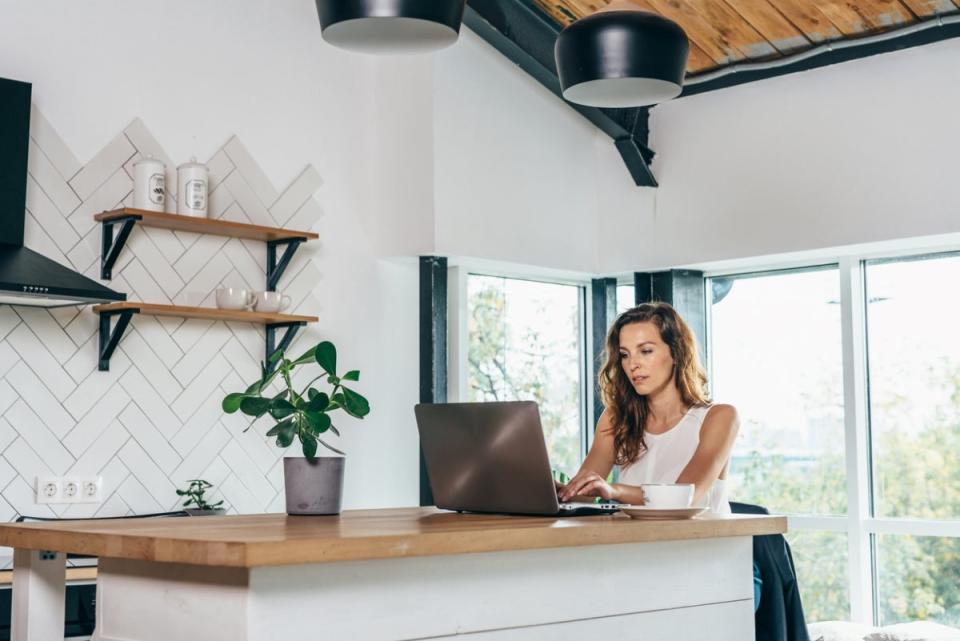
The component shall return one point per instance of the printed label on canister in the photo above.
(197, 194)
(157, 188)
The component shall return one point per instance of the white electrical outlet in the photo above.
(91, 489)
(73, 489)
(48, 489)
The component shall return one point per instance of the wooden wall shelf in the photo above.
(127, 217)
(110, 337)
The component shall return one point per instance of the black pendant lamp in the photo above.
(391, 26)
(621, 58)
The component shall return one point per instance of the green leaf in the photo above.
(279, 426)
(333, 380)
(330, 447)
(354, 404)
(318, 401)
(335, 430)
(308, 356)
(255, 405)
(232, 402)
(281, 408)
(318, 422)
(326, 356)
(285, 434)
(309, 444)
(276, 356)
(352, 375)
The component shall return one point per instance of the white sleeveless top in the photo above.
(668, 453)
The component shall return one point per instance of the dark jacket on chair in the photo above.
(780, 615)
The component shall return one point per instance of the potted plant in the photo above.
(195, 496)
(313, 484)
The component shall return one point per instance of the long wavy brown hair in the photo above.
(629, 410)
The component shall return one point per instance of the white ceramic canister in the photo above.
(192, 189)
(149, 184)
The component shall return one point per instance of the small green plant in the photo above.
(303, 414)
(194, 494)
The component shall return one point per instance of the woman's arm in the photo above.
(591, 481)
(717, 434)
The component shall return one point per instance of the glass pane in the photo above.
(918, 579)
(776, 355)
(821, 563)
(524, 344)
(914, 370)
(626, 298)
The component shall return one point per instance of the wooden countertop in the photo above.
(278, 539)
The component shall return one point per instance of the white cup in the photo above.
(668, 496)
(272, 302)
(235, 298)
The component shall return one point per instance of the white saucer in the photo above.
(660, 514)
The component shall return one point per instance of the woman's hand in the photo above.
(588, 483)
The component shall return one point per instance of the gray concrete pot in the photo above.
(313, 486)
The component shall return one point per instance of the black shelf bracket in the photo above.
(273, 346)
(275, 268)
(109, 247)
(109, 339)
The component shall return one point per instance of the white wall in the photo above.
(514, 173)
(197, 74)
(860, 152)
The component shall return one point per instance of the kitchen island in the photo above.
(391, 574)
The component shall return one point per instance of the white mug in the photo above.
(272, 302)
(667, 496)
(235, 298)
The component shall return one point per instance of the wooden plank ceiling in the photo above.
(725, 32)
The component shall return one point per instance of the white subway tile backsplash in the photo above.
(40, 437)
(43, 324)
(101, 450)
(104, 198)
(149, 474)
(41, 401)
(42, 362)
(97, 420)
(7, 434)
(107, 161)
(299, 192)
(47, 138)
(145, 359)
(149, 438)
(49, 215)
(247, 198)
(201, 455)
(153, 405)
(249, 168)
(21, 456)
(48, 179)
(154, 420)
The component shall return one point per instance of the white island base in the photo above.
(671, 590)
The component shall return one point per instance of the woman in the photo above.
(659, 425)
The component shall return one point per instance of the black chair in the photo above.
(780, 615)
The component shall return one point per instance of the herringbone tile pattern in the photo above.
(154, 420)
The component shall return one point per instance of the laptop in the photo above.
(492, 458)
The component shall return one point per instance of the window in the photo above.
(525, 342)
(776, 355)
(626, 298)
(913, 351)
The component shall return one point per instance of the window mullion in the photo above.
(853, 321)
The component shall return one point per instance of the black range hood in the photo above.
(26, 277)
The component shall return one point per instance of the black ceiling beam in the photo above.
(914, 35)
(525, 35)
